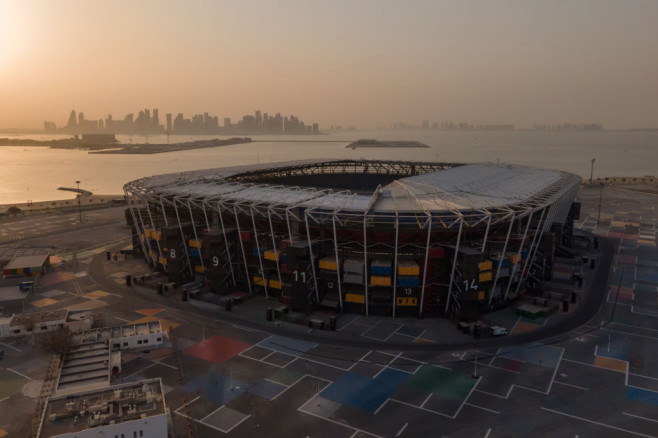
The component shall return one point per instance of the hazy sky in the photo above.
(363, 63)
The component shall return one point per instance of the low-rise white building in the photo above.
(127, 410)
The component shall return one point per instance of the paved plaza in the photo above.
(226, 378)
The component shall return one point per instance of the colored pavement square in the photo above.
(646, 276)
(442, 382)
(44, 302)
(165, 323)
(97, 294)
(625, 293)
(610, 363)
(363, 392)
(642, 395)
(217, 349)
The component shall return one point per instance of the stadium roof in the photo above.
(437, 188)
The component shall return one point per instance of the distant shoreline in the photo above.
(121, 148)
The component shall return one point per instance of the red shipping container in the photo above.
(436, 253)
(244, 236)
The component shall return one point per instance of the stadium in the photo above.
(367, 236)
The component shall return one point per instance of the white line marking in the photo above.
(164, 364)
(145, 368)
(383, 368)
(122, 319)
(20, 374)
(184, 405)
(360, 360)
(557, 365)
(468, 396)
(235, 425)
(483, 408)
(630, 415)
(422, 409)
(402, 429)
(422, 405)
(10, 346)
(4, 399)
(597, 423)
(301, 409)
(487, 434)
(573, 386)
(644, 377)
(421, 334)
(339, 329)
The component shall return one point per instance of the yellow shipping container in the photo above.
(406, 301)
(514, 258)
(158, 235)
(355, 298)
(271, 255)
(328, 263)
(376, 280)
(195, 243)
(408, 268)
(275, 284)
(198, 269)
(485, 276)
(486, 265)
(162, 261)
(258, 281)
(481, 295)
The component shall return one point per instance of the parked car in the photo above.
(497, 330)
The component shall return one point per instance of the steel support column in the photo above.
(340, 290)
(427, 254)
(310, 253)
(260, 257)
(244, 256)
(228, 249)
(196, 237)
(500, 261)
(454, 263)
(528, 259)
(276, 250)
(395, 262)
(511, 275)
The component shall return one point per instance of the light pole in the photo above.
(79, 195)
(598, 217)
(591, 174)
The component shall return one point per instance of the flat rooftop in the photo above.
(89, 409)
(39, 317)
(109, 333)
(28, 261)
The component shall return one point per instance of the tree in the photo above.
(57, 342)
(14, 210)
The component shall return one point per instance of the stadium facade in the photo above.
(374, 237)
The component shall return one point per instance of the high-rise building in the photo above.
(72, 120)
(169, 126)
(81, 118)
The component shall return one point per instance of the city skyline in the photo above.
(340, 63)
(148, 122)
